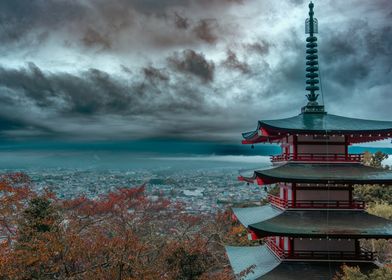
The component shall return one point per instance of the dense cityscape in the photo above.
(199, 190)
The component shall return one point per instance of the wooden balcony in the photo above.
(316, 204)
(362, 255)
(318, 158)
(330, 255)
(274, 248)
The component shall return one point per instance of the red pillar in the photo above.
(346, 147)
(291, 246)
(281, 243)
(295, 146)
(350, 194)
(294, 195)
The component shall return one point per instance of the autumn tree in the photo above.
(14, 194)
(374, 160)
(374, 193)
(120, 235)
(354, 273)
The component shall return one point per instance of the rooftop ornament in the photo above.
(312, 69)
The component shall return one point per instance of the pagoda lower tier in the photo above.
(260, 263)
(315, 241)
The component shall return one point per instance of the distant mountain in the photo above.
(155, 146)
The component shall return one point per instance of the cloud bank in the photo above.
(189, 69)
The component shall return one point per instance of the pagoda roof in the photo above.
(324, 223)
(320, 123)
(257, 258)
(251, 215)
(352, 173)
(265, 266)
(312, 270)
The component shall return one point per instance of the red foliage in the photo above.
(121, 235)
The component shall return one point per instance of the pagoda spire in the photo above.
(312, 81)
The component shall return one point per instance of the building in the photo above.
(315, 224)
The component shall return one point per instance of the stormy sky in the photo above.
(183, 69)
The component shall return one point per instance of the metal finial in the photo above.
(311, 28)
(311, 24)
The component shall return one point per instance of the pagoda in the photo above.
(315, 223)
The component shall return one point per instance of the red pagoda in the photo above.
(315, 224)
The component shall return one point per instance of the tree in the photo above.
(382, 273)
(382, 247)
(374, 160)
(354, 273)
(374, 193)
(186, 261)
(14, 194)
(350, 273)
(40, 216)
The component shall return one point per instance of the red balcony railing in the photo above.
(318, 204)
(362, 255)
(318, 157)
(277, 201)
(330, 255)
(270, 241)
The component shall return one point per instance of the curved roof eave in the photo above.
(322, 223)
(345, 173)
(320, 123)
(264, 265)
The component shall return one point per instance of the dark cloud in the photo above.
(9, 124)
(30, 81)
(102, 23)
(193, 63)
(153, 74)
(262, 47)
(91, 92)
(94, 38)
(93, 96)
(21, 20)
(148, 68)
(232, 62)
(205, 30)
(180, 21)
(357, 54)
(350, 72)
(298, 2)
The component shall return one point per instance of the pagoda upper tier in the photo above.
(319, 123)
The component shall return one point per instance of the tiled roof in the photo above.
(325, 173)
(325, 223)
(259, 258)
(252, 215)
(321, 123)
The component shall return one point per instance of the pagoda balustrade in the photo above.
(318, 157)
(362, 255)
(319, 204)
(270, 241)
